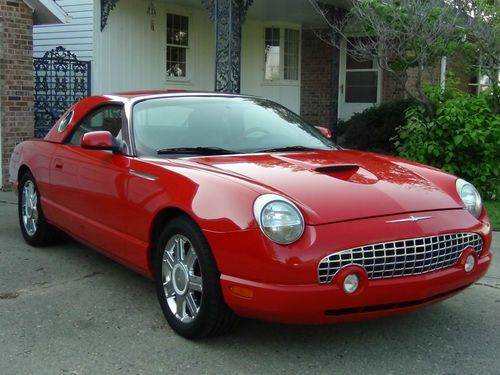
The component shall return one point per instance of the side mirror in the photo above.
(325, 131)
(100, 140)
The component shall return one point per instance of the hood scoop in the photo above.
(340, 171)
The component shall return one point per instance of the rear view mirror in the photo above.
(325, 131)
(100, 140)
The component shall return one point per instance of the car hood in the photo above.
(332, 186)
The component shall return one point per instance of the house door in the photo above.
(360, 84)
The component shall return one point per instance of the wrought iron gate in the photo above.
(60, 79)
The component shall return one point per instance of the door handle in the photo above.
(58, 163)
(342, 89)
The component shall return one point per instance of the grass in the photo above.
(493, 208)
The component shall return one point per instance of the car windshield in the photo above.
(221, 125)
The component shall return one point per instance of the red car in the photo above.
(236, 206)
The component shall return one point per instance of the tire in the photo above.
(34, 227)
(188, 282)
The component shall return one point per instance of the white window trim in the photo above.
(282, 81)
(172, 80)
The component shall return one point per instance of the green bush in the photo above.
(463, 138)
(373, 129)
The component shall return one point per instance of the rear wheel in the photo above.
(35, 229)
(188, 283)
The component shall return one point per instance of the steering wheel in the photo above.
(262, 131)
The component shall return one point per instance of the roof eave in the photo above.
(46, 12)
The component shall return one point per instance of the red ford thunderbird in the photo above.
(237, 207)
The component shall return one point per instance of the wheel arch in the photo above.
(161, 219)
(22, 170)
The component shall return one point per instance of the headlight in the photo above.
(470, 196)
(278, 218)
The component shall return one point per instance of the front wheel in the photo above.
(187, 281)
(35, 229)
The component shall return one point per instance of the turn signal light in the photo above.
(241, 291)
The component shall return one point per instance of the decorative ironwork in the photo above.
(228, 16)
(60, 79)
(106, 7)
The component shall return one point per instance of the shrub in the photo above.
(373, 129)
(463, 138)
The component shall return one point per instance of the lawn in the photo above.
(493, 208)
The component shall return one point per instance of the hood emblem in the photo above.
(411, 218)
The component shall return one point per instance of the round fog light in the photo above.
(351, 283)
(470, 262)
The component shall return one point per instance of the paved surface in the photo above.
(68, 310)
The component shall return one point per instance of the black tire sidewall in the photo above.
(211, 296)
(31, 239)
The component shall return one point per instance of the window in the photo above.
(361, 79)
(291, 54)
(479, 81)
(65, 122)
(177, 45)
(105, 118)
(281, 63)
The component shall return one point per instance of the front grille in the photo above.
(401, 258)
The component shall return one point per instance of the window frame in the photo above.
(188, 47)
(90, 114)
(282, 31)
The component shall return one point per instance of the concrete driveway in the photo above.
(68, 310)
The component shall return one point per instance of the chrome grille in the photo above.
(403, 257)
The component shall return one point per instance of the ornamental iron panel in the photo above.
(60, 79)
(106, 7)
(228, 16)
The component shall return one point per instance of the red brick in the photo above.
(16, 76)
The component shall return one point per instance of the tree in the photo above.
(400, 35)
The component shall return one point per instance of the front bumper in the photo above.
(267, 281)
(328, 303)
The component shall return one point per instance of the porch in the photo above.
(255, 47)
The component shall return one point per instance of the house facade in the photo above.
(176, 44)
(256, 47)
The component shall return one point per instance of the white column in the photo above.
(442, 80)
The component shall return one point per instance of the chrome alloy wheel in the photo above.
(182, 279)
(29, 208)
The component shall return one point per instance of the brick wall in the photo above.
(316, 79)
(391, 88)
(461, 70)
(16, 77)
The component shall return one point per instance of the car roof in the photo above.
(147, 94)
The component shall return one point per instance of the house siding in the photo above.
(130, 56)
(76, 35)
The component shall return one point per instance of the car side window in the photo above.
(105, 118)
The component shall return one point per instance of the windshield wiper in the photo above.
(195, 151)
(288, 148)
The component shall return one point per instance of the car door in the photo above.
(91, 185)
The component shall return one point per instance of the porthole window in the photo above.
(65, 121)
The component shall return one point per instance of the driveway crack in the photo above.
(488, 285)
